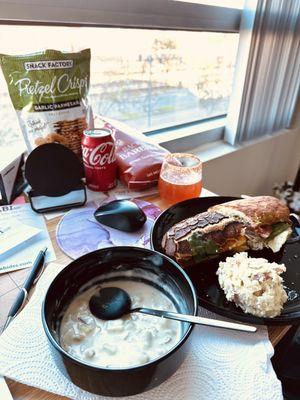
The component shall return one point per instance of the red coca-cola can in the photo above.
(99, 159)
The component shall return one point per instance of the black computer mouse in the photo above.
(124, 215)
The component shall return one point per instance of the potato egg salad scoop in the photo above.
(253, 284)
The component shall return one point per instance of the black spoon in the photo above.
(113, 303)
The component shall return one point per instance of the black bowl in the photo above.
(110, 264)
(203, 275)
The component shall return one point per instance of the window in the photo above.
(148, 78)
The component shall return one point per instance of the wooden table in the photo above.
(11, 283)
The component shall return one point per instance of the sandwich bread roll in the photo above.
(252, 223)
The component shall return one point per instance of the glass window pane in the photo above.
(146, 78)
(223, 3)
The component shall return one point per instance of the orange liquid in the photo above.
(175, 192)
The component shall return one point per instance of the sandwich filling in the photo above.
(224, 228)
(238, 237)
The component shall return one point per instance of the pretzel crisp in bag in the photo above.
(49, 93)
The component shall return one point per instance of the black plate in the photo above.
(203, 275)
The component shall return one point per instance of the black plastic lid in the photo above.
(53, 170)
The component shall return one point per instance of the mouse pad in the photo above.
(79, 233)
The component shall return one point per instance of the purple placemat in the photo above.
(79, 233)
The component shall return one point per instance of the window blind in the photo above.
(272, 78)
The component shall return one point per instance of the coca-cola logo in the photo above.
(100, 155)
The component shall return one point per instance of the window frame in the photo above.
(142, 14)
(154, 14)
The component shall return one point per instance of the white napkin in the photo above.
(222, 364)
(5, 393)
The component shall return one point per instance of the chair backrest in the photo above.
(297, 181)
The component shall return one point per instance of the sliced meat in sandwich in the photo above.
(252, 223)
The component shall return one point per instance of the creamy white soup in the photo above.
(132, 340)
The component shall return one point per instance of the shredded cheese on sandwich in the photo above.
(278, 241)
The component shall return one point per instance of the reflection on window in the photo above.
(146, 78)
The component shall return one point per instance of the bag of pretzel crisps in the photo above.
(139, 161)
(49, 93)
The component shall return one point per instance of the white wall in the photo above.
(254, 168)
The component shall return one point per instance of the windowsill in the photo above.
(194, 132)
(216, 149)
(207, 144)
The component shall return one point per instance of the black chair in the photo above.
(286, 363)
(286, 360)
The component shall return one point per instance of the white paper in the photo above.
(13, 233)
(221, 364)
(97, 196)
(23, 252)
(53, 214)
(122, 192)
(4, 391)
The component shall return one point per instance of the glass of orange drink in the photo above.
(180, 177)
